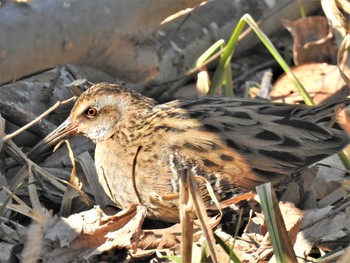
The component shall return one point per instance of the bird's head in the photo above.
(99, 112)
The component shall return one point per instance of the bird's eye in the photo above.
(91, 112)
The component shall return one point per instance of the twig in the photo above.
(20, 117)
(25, 127)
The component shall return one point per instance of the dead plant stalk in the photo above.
(25, 127)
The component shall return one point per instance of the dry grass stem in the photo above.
(186, 217)
(25, 127)
(202, 216)
(74, 186)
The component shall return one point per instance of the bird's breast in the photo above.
(114, 165)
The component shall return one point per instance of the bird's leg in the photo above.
(171, 201)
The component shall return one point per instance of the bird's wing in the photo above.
(248, 141)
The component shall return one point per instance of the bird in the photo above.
(233, 143)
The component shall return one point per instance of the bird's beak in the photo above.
(63, 131)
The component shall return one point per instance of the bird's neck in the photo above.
(130, 128)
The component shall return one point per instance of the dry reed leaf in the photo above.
(5, 198)
(2, 130)
(342, 56)
(17, 154)
(26, 210)
(33, 194)
(332, 8)
(86, 171)
(74, 186)
(216, 202)
(234, 200)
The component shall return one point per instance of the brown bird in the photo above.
(236, 144)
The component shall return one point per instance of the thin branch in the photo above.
(25, 127)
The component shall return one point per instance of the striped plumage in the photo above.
(235, 144)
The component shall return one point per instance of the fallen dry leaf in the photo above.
(87, 233)
(313, 39)
(325, 228)
(329, 177)
(321, 81)
(126, 236)
(292, 217)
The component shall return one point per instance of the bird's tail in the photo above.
(333, 114)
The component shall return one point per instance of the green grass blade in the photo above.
(219, 74)
(227, 249)
(281, 244)
(175, 259)
(210, 52)
(268, 44)
(302, 9)
(227, 82)
(225, 59)
(239, 224)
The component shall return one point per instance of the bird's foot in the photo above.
(163, 206)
